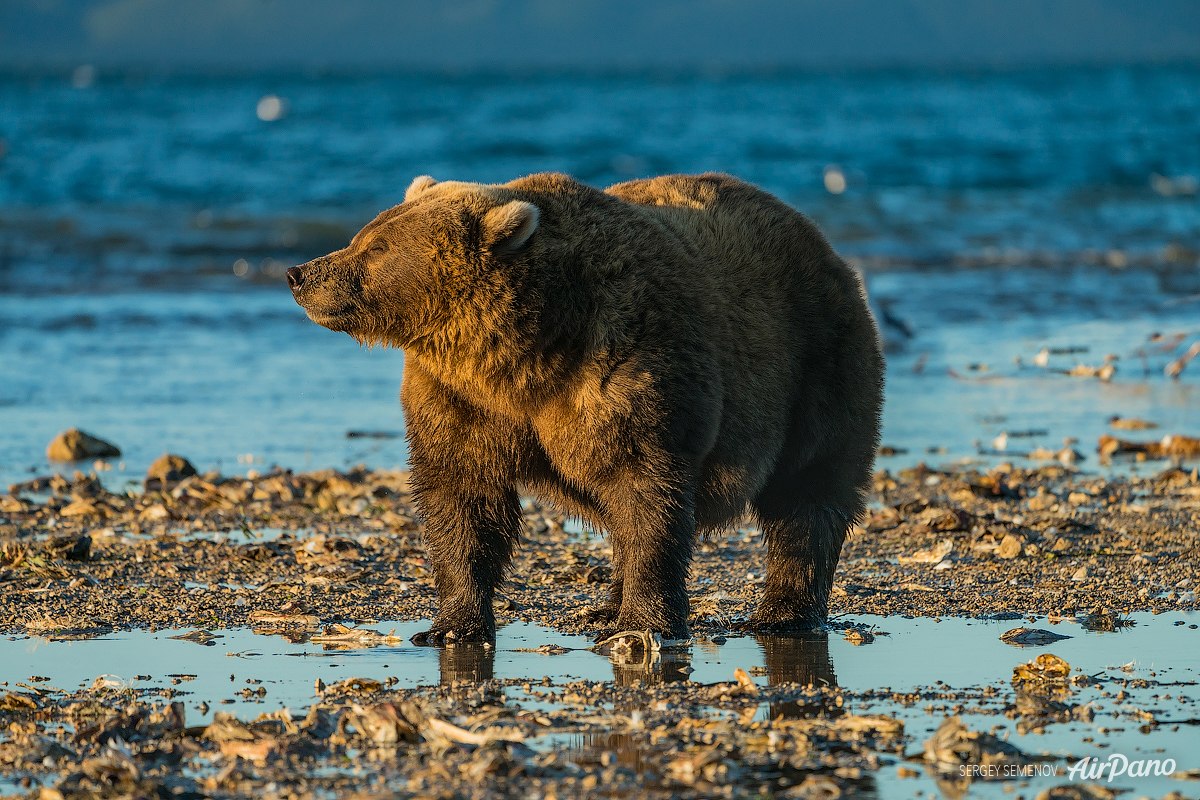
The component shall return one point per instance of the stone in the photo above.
(76, 445)
(168, 469)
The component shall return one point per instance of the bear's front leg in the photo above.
(469, 537)
(463, 487)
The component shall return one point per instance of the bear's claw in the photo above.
(603, 615)
(775, 622)
(440, 635)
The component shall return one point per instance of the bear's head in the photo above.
(402, 275)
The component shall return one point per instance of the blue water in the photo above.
(146, 219)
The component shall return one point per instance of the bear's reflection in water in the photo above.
(803, 660)
(800, 660)
(466, 662)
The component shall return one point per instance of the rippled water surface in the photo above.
(145, 222)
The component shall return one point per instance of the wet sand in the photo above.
(233, 563)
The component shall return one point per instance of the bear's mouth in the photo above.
(331, 318)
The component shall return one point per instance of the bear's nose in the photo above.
(295, 278)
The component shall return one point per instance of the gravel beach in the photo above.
(326, 557)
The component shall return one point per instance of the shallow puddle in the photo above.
(1143, 691)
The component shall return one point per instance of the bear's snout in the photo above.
(295, 278)
(325, 291)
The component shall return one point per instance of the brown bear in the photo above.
(661, 357)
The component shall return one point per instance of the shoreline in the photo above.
(213, 551)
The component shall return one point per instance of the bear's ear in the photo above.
(418, 185)
(508, 227)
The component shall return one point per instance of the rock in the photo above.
(72, 548)
(76, 445)
(1046, 668)
(1011, 546)
(10, 504)
(166, 470)
(1031, 637)
(1041, 501)
(154, 513)
(954, 745)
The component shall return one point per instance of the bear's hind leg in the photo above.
(804, 542)
(652, 544)
(802, 556)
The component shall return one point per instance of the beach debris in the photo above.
(945, 519)
(1175, 368)
(373, 434)
(1067, 455)
(1170, 446)
(704, 763)
(201, 569)
(114, 769)
(953, 744)
(286, 616)
(76, 445)
(1043, 356)
(166, 471)
(1045, 669)
(1130, 423)
(109, 682)
(18, 701)
(1031, 637)
(322, 549)
(1011, 546)
(387, 723)
(345, 637)
(1103, 372)
(623, 642)
(199, 636)
(745, 682)
(436, 728)
(236, 739)
(859, 636)
(545, 649)
(67, 626)
(11, 504)
(932, 555)
(71, 547)
(354, 686)
(1105, 621)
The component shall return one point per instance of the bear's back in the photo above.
(747, 234)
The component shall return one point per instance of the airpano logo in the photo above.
(1117, 766)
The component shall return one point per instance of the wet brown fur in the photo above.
(658, 358)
